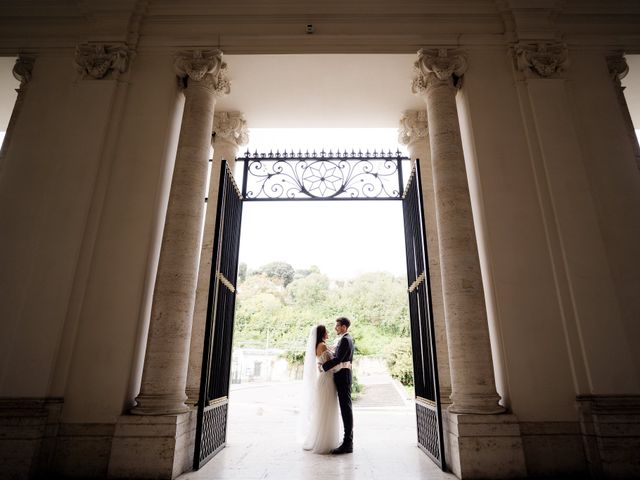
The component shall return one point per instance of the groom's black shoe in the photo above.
(344, 448)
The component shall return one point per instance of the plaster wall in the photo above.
(111, 336)
(534, 374)
(600, 355)
(614, 182)
(554, 186)
(45, 190)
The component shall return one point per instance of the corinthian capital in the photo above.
(203, 66)
(442, 64)
(232, 127)
(413, 126)
(23, 68)
(96, 60)
(542, 59)
(617, 65)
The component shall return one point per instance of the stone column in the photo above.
(22, 72)
(472, 379)
(229, 134)
(165, 367)
(414, 133)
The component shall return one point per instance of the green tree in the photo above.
(242, 272)
(281, 271)
(309, 290)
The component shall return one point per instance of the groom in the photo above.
(342, 379)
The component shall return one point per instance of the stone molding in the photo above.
(232, 127)
(413, 126)
(617, 65)
(437, 66)
(23, 68)
(543, 59)
(204, 66)
(97, 60)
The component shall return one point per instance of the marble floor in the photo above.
(261, 441)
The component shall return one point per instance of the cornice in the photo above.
(342, 26)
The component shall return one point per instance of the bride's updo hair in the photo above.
(321, 331)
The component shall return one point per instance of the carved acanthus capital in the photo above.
(232, 127)
(542, 59)
(437, 66)
(618, 67)
(23, 68)
(203, 66)
(413, 126)
(97, 60)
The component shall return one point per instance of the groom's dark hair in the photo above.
(344, 321)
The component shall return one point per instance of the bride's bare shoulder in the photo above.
(320, 349)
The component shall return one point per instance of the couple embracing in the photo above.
(327, 385)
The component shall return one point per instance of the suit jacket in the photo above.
(344, 353)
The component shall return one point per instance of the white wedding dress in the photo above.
(322, 432)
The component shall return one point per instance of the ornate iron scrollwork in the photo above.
(324, 175)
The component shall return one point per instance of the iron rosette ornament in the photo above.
(327, 176)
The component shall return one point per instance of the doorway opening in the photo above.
(303, 178)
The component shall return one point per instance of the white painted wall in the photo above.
(46, 187)
(554, 185)
(106, 363)
(613, 183)
(528, 343)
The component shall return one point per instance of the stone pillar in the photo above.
(229, 133)
(479, 445)
(22, 72)
(414, 133)
(472, 379)
(165, 367)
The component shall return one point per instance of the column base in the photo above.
(160, 405)
(476, 404)
(484, 446)
(192, 396)
(146, 447)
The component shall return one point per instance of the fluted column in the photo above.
(229, 134)
(472, 379)
(165, 366)
(414, 133)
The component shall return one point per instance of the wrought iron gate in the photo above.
(425, 369)
(322, 176)
(211, 426)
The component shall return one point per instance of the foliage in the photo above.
(281, 272)
(277, 305)
(294, 357)
(400, 360)
(242, 272)
(356, 387)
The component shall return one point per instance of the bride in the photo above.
(320, 424)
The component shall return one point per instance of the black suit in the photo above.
(342, 379)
